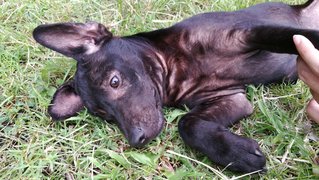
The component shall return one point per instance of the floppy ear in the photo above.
(72, 39)
(65, 103)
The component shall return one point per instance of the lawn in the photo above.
(84, 147)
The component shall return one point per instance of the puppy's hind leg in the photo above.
(205, 129)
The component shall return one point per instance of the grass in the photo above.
(83, 147)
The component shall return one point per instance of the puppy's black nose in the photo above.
(137, 138)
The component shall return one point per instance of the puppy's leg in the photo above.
(277, 39)
(205, 129)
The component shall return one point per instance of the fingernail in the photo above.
(297, 39)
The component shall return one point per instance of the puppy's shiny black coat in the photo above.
(203, 62)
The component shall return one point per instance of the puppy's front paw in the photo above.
(248, 158)
(223, 147)
(241, 154)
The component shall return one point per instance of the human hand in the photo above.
(308, 71)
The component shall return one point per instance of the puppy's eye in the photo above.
(115, 82)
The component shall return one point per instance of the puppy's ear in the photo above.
(72, 39)
(65, 103)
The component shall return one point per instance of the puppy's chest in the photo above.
(200, 81)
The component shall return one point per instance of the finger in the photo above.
(308, 52)
(315, 95)
(313, 110)
(307, 76)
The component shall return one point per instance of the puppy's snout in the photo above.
(137, 138)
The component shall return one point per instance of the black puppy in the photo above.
(203, 62)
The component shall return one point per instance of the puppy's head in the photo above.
(112, 79)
